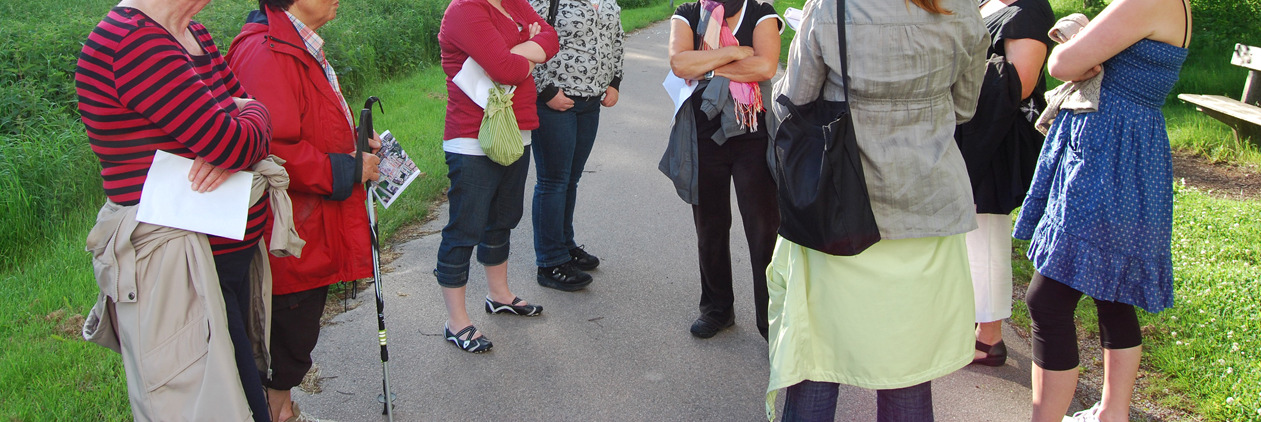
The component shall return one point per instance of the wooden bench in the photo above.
(1243, 115)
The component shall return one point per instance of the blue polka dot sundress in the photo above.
(1100, 210)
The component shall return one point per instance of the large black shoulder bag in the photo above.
(823, 200)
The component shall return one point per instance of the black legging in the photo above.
(234, 280)
(1051, 307)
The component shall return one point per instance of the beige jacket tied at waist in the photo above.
(160, 306)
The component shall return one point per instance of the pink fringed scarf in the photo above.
(716, 34)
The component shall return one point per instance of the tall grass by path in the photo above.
(48, 175)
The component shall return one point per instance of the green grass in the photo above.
(46, 371)
(1208, 344)
(633, 19)
(1204, 350)
(414, 110)
(786, 37)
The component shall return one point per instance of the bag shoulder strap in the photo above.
(840, 37)
(551, 12)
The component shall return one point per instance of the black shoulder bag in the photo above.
(823, 200)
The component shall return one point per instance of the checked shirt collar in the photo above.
(315, 46)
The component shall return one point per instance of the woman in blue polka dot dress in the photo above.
(1099, 211)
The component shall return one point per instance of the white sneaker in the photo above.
(1088, 415)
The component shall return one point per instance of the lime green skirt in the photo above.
(897, 315)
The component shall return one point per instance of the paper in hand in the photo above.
(472, 79)
(168, 199)
(793, 16)
(679, 89)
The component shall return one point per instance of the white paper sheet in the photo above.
(472, 79)
(793, 16)
(679, 89)
(168, 199)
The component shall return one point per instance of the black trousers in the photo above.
(233, 269)
(1051, 307)
(295, 328)
(743, 162)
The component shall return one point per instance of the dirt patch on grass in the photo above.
(1221, 180)
(65, 323)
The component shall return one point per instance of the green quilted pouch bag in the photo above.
(500, 137)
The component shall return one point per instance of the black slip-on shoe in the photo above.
(995, 354)
(563, 277)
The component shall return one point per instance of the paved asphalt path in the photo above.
(619, 350)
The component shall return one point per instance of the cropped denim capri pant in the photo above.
(486, 202)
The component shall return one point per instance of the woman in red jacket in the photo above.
(280, 60)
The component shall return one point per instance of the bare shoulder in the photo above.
(1159, 20)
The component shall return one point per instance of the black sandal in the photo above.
(493, 307)
(995, 355)
(472, 345)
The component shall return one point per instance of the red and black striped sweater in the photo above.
(140, 91)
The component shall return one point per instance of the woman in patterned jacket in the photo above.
(583, 76)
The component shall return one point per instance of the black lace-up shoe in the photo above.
(706, 328)
(583, 260)
(563, 277)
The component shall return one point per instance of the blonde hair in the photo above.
(931, 6)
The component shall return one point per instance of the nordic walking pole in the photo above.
(361, 145)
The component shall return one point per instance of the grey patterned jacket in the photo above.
(590, 57)
(913, 76)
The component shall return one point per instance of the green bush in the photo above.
(48, 173)
(1218, 23)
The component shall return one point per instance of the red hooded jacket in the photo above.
(311, 134)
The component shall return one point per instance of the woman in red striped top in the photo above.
(149, 79)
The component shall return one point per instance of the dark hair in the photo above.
(275, 4)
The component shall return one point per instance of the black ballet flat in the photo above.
(493, 307)
(995, 355)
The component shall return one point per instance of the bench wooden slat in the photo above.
(1247, 56)
(1225, 105)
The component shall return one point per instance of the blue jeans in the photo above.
(812, 401)
(562, 144)
(486, 201)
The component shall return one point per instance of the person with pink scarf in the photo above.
(728, 48)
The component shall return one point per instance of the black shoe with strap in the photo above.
(465, 341)
(564, 277)
(995, 355)
(493, 307)
(583, 260)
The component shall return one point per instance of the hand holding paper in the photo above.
(168, 199)
(679, 89)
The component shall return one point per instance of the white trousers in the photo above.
(989, 255)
